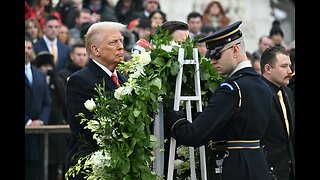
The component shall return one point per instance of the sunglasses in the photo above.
(217, 55)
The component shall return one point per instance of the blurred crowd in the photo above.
(54, 49)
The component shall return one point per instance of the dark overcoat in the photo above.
(279, 147)
(80, 88)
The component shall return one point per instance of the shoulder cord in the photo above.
(240, 97)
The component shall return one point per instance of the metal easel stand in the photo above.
(187, 99)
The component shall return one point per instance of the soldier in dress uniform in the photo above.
(237, 115)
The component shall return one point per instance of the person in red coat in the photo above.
(40, 11)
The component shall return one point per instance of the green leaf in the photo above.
(147, 175)
(129, 152)
(153, 98)
(125, 135)
(139, 103)
(125, 166)
(131, 118)
(133, 142)
(175, 68)
(159, 62)
(153, 138)
(156, 82)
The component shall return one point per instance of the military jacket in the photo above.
(233, 114)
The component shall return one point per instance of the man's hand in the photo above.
(174, 116)
(37, 122)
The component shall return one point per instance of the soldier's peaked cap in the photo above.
(218, 39)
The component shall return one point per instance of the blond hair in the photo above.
(93, 35)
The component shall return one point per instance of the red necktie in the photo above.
(115, 80)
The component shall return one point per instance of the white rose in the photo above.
(145, 58)
(118, 93)
(90, 104)
(128, 89)
(178, 164)
(96, 158)
(166, 48)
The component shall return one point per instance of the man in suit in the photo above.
(37, 111)
(49, 42)
(194, 20)
(279, 138)
(237, 114)
(104, 44)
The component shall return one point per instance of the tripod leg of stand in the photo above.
(192, 163)
(191, 149)
(203, 165)
(172, 153)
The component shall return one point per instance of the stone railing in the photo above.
(46, 130)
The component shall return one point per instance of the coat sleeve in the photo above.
(222, 107)
(46, 104)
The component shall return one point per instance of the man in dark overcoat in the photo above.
(279, 138)
(37, 111)
(104, 44)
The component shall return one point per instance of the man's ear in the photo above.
(95, 50)
(267, 68)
